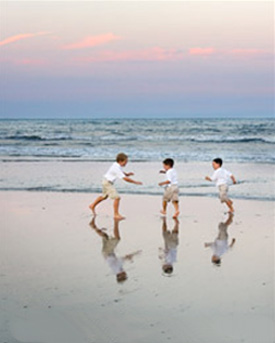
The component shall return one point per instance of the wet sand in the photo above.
(59, 286)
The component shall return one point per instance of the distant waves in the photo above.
(245, 140)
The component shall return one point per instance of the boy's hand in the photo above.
(129, 174)
(207, 178)
(162, 171)
(138, 183)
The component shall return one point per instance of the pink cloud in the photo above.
(18, 37)
(31, 62)
(202, 51)
(247, 52)
(152, 54)
(92, 41)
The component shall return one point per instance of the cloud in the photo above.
(202, 51)
(92, 41)
(151, 54)
(248, 52)
(21, 36)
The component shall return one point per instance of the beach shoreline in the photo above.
(56, 279)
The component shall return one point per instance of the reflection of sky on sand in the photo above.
(53, 268)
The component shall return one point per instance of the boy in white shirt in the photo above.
(108, 189)
(222, 178)
(171, 192)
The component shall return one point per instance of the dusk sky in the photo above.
(136, 59)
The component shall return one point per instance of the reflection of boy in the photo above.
(171, 242)
(109, 245)
(220, 246)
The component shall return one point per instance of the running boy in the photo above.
(222, 177)
(108, 189)
(171, 192)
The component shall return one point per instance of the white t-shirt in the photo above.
(171, 175)
(221, 176)
(115, 263)
(219, 247)
(114, 172)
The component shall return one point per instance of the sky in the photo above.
(105, 59)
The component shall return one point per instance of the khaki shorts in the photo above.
(223, 189)
(108, 190)
(171, 193)
(109, 245)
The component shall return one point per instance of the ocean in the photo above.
(71, 155)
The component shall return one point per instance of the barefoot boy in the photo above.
(222, 177)
(108, 189)
(171, 192)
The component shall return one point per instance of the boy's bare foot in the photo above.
(163, 212)
(118, 217)
(176, 214)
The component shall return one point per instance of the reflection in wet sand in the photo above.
(109, 245)
(168, 254)
(220, 245)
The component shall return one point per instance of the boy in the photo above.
(108, 189)
(222, 177)
(171, 192)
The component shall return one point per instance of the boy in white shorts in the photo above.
(171, 192)
(222, 177)
(108, 189)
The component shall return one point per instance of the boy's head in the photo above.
(216, 260)
(217, 163)
(168, 163)
(121, 277)
(167, 268)
(122, 159)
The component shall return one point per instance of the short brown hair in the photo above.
(121, 157)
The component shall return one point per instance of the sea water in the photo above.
(72, 155)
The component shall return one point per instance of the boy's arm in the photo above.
(233, 179)
(167, 182)
(207, 245)
(232, 243)
(128, 174)
(128, 179)
(208, 178)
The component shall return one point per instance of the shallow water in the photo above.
(255, 181)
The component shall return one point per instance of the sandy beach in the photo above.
(57, 285)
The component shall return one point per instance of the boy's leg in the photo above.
(229, 203)
(177, 212)
(164, 207)
(116, 210)
(96, 202)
